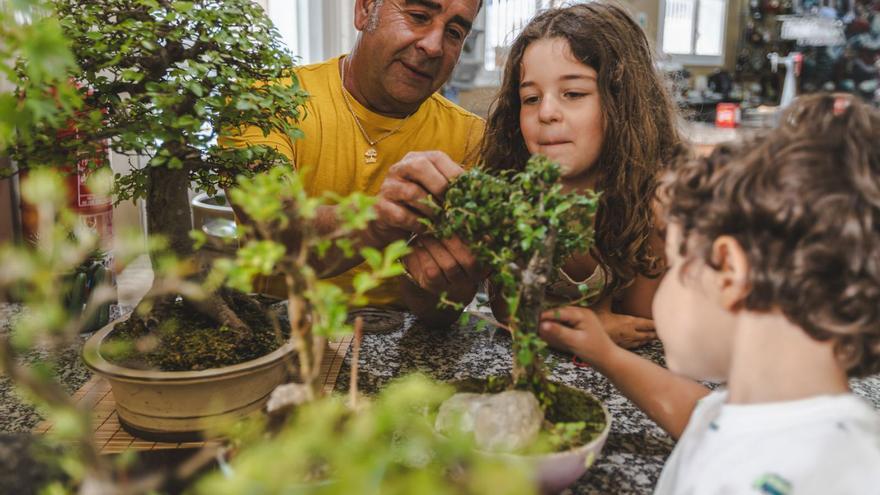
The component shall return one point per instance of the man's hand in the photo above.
(446, 265)
(435, 267)
(402, 195)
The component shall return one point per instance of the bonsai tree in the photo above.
(276, 204)
(159, 79)
(326, 444)
(523, 226)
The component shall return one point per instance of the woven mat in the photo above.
(112, 439)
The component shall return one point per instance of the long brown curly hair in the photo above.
(640, 128)
(804, 204)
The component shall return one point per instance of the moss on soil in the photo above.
(188, 341)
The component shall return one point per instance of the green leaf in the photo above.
(364, 282)
(525, 357)
(199, 238)
(346, 246)
(197, 89)
(373, 257)
(396, 250)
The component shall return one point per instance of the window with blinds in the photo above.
(505, 19)
(694, 29)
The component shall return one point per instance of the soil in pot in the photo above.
(186, 340)
(566, 405)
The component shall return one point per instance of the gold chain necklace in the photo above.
(371, 155)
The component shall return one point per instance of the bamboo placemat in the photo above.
(95, 396)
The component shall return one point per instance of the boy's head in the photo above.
(788, 224)
(637, 123)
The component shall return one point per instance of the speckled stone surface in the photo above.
(17, 415)
(636, 448)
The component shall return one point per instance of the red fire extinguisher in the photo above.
(93, 210)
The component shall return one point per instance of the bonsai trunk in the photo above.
(168, 214)
(535, 277)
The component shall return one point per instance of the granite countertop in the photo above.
(17, 415)
(396, 344)
(636, 448)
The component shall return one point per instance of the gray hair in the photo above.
(373, 19)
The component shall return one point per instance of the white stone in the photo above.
(504, 422)
(286, 396)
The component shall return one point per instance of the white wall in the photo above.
(314, 30)
(127, 215)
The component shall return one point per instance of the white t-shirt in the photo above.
(822, 445)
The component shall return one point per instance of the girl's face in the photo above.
(695, 329)
(561, 111)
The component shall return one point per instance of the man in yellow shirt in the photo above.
(375, 124)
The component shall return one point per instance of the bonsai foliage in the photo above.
(387, 446)
(325, 444)
(281, 237)
(159, 79)
(39, 278)
(33, 276)
(523, 226)
(44, 97)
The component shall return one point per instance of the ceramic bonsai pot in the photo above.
(183, 405)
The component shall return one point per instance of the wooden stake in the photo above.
(355, 357)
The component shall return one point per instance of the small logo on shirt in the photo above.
(772, 484)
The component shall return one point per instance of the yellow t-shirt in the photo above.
(331, 155)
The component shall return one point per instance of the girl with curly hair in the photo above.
(580, 87)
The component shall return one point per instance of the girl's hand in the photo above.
(627, 331)
(578, 331)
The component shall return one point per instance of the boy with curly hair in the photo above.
(773, 289)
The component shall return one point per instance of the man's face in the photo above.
(413, 46)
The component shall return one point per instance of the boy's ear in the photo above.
(732, 273)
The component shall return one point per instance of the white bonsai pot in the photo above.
(213, 216)
(556, 471)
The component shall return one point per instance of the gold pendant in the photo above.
(370, 155)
